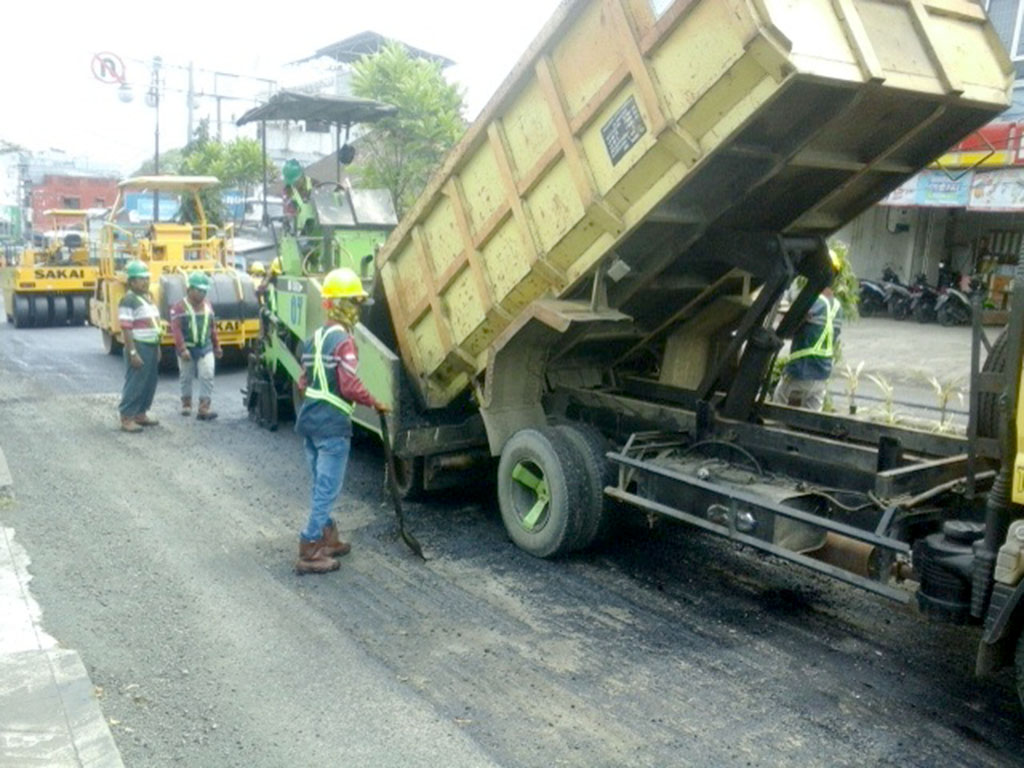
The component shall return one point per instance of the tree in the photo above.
(402, 151)
(170, 163)
(237, 164)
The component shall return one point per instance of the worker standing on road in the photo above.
(266, 295)
(140, 325)
(194, 327)
(809, 365)
(267, 287)
(257, 271)
(330, 386)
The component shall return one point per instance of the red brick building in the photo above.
(78, 192)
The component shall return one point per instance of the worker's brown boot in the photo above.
(130, 425)
(204, 413)
(313, 558)
(145, 420)
(186, 406)
(333, 546)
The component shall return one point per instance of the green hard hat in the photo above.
(291, 172)
(199, 281)
(136, 269)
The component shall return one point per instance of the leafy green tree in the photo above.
(170, 163)
(846, 285)
(237, 164)
(401, 152)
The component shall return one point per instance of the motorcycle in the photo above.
(925, 298)
(898, 297)
(954, 306)
(874, 294)
(872, 298)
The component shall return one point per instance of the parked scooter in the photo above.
(874, 294)
(872, 298)
(922, 307)
(954, 305)
(898, 297)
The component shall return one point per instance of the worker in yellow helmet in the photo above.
(812, 350)
(266, 292)
(257, 270)
(331, 388)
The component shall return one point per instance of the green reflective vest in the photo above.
(319, 388)
(823, 347)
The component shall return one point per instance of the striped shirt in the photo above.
(141, 317)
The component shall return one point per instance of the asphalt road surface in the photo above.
(165, 559)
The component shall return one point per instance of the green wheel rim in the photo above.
(530, 477)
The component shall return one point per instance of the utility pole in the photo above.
(191, 99)
(153, 99)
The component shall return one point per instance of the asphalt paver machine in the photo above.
(331, 224)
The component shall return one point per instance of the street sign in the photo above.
(108, 68)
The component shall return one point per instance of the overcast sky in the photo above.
(51, 98)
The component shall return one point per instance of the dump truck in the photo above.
(51, 284)
(172, 249)
(583, 301)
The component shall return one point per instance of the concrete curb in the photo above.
(6, 481)
(49, 714)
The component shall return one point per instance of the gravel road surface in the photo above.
(166, 559)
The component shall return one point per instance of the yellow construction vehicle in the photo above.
(172, 250)
(51, 284)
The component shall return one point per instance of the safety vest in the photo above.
(199, 338)
(318, 387)
(276, 268)
(823, 347)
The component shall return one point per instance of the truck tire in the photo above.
(594, 513)
(988, 402)
(408, 478)
(541, 488)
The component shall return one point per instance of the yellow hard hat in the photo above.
(343, 283)
(257, 268)
(275, 266)
(837, 262)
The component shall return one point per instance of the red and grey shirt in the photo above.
(317, 418)
(139, 315)
(194, 327)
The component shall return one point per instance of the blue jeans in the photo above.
(327, 457)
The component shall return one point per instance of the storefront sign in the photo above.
(1001, 190)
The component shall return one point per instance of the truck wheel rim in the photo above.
(531, 502)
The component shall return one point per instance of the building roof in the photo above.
(292, 105)
(368, 43)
